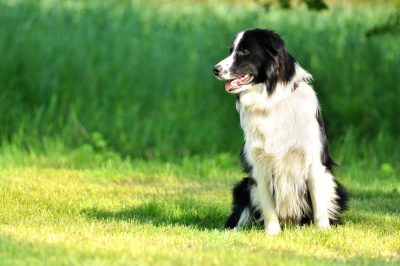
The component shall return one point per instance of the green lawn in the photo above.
(109, 157)
(113, 211)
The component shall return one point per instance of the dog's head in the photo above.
(256, 56)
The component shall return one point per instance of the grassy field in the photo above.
(118, 146)
(86, 208)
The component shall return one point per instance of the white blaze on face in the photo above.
(227, 62)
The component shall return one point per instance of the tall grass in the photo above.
(137, 79)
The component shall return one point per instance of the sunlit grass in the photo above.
(119, 213)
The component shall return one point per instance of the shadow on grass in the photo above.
(365, 206)
(185, 213)
(376, 208)
(375, 202)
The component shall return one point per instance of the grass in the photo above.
(136, 78)
(91, 90)
(104, 210)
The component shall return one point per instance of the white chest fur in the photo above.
(281, 141)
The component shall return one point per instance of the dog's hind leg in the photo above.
(242, 209)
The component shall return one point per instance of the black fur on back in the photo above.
(326, 159)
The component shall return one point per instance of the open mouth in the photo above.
(235, 84)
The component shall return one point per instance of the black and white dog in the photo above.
(286, 149)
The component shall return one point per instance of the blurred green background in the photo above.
(134, 77)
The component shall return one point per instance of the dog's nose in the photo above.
(217, 70)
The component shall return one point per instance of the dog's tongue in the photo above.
(236, 83)
(232, 84)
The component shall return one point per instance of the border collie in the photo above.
(285, 150)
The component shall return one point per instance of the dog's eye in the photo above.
(243, 51)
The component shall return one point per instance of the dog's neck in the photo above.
(256, 97)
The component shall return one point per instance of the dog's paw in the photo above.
(323, 224)
(273, 229)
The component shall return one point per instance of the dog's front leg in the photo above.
(267, 203)
(322, 191)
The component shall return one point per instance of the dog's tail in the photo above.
(242, 209)
(342, 203)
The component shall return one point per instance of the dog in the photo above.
(285, 150)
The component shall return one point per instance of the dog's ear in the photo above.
(273, 43)
(275, 48)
